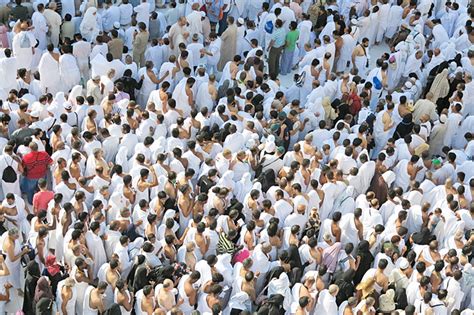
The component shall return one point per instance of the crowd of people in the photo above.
(237, 157)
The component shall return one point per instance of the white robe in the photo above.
(49, 73)
(179, 94)
(22, 51)
(349, 232)
(40, 29)
(69, 71)
(203, 97)
(96, 248)
(89, 27)
(326, 303)
(8, 70)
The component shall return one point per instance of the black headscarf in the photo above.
(404, 128)
(294, 256)
(423, 237)
(32, 274)
(366, 258)
(272, 306)
(137, 278)
(114, 309)
(346, 286)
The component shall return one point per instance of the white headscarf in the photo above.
(75, 92)
(90, 20)
(227, 180)
(243, 187)
(89, 25)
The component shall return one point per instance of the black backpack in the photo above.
(9, 175)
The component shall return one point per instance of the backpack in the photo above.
(301, 79)
(269, 27)
(9, 175)
(25, 41)
(377, 82)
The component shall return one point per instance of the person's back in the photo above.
(19, 12)
(67, 30)
(36, 165)
(42, 198)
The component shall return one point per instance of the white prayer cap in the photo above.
(29, 98)
(453, 66)
(271, 138)
(404, 264)
(240, 21)
(203, 14)
(443, 118)
(35, 114)
(270, 147)
(408, 85)
(389, 177)
(251, 143)
(458, 69)
(116, 25)
(96, 77)
(400, 46)
(123, 103)
(67, 106)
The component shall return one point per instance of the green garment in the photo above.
(291, 39)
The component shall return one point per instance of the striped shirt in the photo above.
(224, 245)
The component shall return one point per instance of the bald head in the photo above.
(333, 289)
(266, 247)
(301, 208)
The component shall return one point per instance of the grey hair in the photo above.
(13, 231)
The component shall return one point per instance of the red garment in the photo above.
(356, 104)
(52, 265)
(36, 164)
(41, 200)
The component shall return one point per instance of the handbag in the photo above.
(301, 78)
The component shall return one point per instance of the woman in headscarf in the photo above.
(243, 187)
(378, 184)
(138, 276)
(346, 286)
(43, 290)
(364, 261)
(75, 92)
(114, 309)
(54, 272)
(404, 128)
(440, 86)
(227, 181)
(89, 28)
(294, 260)
(33, 273)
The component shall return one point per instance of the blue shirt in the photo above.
(214, 10)
(278, 37)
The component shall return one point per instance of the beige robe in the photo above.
(228, 47)
(54, 21)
